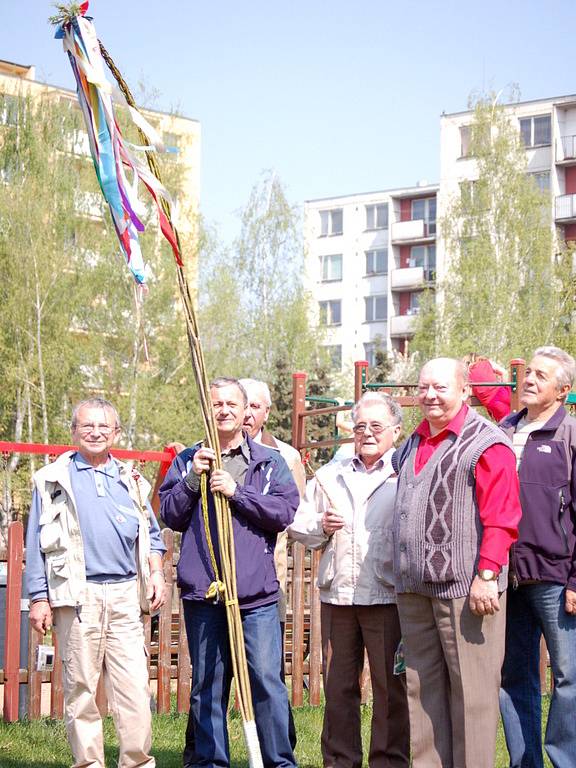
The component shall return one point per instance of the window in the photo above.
(376, 308)
(414, 306)
(468, 191)
(331, 267)
(377, 262)
(542, 180)
(464, 140)
(8, 110)
(330, 312)
(425, 208)
(424, 256)
(375, 352)
(377, 216)
(331, 222)
(335, 354)
(536, 131)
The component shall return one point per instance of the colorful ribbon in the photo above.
(118, 168)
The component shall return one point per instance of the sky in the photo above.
(335, 97)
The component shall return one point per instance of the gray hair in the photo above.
(226, 381)
(248, 384)
(566, 371)
(94, 402)
(379, 398)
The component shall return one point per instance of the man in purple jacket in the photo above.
(542, 600)
(263, 499)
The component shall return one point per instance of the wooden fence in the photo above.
(168, 658)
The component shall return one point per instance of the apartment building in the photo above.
(547, 128)
(368, 258)
(180, 133)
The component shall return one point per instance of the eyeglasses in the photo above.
(104, 429)
(375, 429)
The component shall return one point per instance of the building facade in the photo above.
(369, 256)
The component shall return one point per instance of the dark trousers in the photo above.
(346, 631)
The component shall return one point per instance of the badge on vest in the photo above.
(544, 449)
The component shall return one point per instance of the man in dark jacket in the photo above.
(263, 500)
(542, 600)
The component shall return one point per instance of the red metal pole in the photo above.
(12, 645)
(360, 373)
(298, 409)
(517, 373)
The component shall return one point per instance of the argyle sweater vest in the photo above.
(437, 527)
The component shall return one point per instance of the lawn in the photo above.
(42, 743)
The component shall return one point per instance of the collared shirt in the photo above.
(236, 461)
(108, 521)
(495, 474)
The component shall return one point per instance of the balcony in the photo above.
(566, 150)
(402, 325)
(411, 278)
(565, 209)
(413, 231)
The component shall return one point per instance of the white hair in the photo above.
(379, 398)
(250, 384)
(566, 371)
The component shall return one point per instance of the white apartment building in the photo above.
(368, 258)
(547, 128)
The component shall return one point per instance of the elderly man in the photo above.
(456, 515)
(348, 512)
(92, 544)
(263, 499)
(542, 600)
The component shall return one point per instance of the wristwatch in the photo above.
(487, 575)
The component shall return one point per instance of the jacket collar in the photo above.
(551, 425)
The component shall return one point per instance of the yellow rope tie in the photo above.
(217, 589)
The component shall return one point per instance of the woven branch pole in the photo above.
(222, 508)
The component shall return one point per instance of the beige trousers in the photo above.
(453, 663)
(106, 635)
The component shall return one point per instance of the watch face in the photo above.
(487, 575)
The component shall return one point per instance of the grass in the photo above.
(42, 743)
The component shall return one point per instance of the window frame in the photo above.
(323, 261)
(370, 317)
(375, 209)
(373, 252)
(330, 213)
(326, 312)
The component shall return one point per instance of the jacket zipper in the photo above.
(564, 534)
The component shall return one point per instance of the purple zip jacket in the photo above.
(546, 546)
(261, 508)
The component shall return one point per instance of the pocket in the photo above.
(58, 567)
(327, 568)
(52, 537)
(438, 559)
(381, 551)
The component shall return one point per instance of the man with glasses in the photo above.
(93, 563)
(348, 512)
(456, 515)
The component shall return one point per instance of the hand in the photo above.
(222, 481)
(570, 601)
(202, 460)
(40, 616)
(176, 446)
(499, 370)
(483, 598)
(332, 521)
(156, 594)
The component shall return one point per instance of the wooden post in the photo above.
(12, 644)
(165, 632)
(298, 409)
(184, 671)
(298, 624)
(315, 657)
(360, 371)
(517, 372)
(57, 686)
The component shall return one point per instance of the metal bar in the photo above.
(55, 450)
